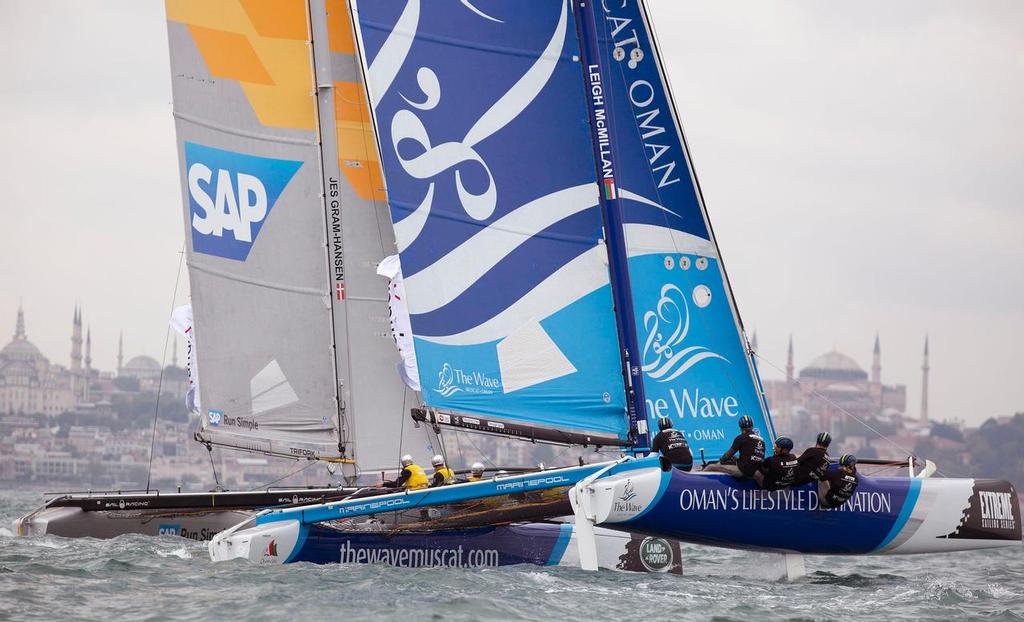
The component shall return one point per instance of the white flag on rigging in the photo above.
(181, 321)
(401, 328)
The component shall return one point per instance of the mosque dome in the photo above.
(834, 366)
(20, 350)
(141, 367)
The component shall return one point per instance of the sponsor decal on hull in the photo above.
(416, 557)
(656, 554)
(204, 534)
(993, 513)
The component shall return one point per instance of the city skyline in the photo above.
(835, 193)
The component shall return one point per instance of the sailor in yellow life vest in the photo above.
(442, 474)
(476, 472)
(412, 477)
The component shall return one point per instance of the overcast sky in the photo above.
(863, 165)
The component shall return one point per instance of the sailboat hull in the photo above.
(539, 543)
(887, 515)
(195, 516)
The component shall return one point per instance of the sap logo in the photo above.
(230, 196)
(215, 417)
(169, 530)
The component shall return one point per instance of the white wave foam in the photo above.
(180, 552)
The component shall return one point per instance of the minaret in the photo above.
(876, 364)
(790, 385)
(76, 353)
(88, 348)
(120, 352)
(76, 342)
(789, 361)
(19, 328)
(88, 364)
(174, 353)
(924, 383)
(753, 341)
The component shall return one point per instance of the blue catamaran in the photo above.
(563, 284)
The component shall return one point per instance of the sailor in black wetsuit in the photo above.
(838, 486)
(672, 445)
(749, 448)
(814, 460)
(779, 470)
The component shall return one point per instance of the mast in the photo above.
(329, 178)
(594, 75)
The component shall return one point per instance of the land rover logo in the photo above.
(656, 554)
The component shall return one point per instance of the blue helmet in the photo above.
(746, 422)
(824, 439)
(784, 442)
(848, 460)
(664, 423)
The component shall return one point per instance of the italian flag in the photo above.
(609, 189)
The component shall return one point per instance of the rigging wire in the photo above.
(849, 414)
(216, 480)
(269, 484)
(163, 366)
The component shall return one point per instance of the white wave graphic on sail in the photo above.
(578, 278)
(468, 262)
(389, 60)
(667, 326)
(446, 382)
(437, 159)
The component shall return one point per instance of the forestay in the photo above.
(694, 359)
(486, 153)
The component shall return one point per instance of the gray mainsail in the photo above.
(291, 321)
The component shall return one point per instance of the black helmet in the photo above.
(784, 442)
(824, 439)
(746, 422)
(848, 460)
(664, 423)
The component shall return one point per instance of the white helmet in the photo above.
(437, 460)
(406, 460)
(477, 468)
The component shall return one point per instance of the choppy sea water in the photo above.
(167, 578)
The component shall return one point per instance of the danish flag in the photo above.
(339, 290)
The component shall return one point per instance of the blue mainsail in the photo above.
(486, 154)
(692, 350)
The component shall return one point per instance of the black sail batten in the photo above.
(502, 427)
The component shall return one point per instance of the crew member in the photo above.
(838, 486)
(749, 449)
(412, 477)
(672, 445)
(779, 470)
(814, 461)
(476, 472)
(442, 474)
